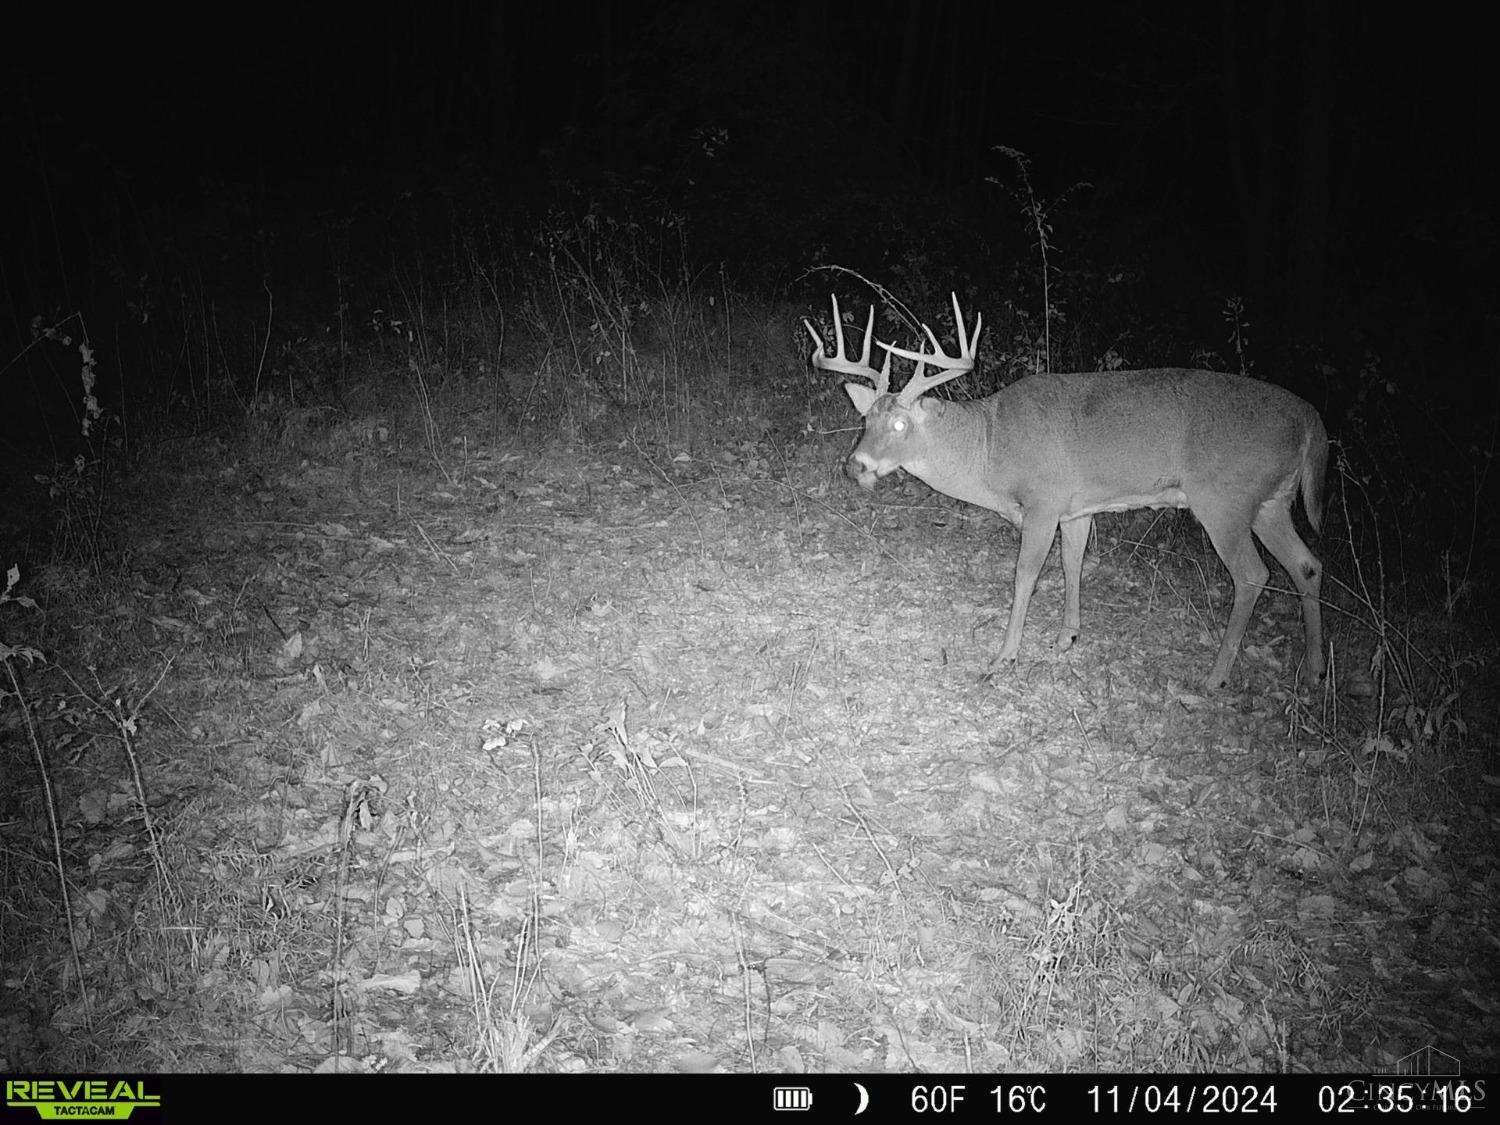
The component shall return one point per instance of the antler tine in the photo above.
(840, 362)
(949, 366)
(966, 350)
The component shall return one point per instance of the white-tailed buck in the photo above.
(1052, 450)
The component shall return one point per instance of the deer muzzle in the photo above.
(860, 473)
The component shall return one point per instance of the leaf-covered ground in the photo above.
(571, 759)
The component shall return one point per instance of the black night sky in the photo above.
(1331, 164)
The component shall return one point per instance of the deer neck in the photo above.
(957, 451)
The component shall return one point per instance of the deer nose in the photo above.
(860, 472)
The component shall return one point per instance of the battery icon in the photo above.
(791, 1097)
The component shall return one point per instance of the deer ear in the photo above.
(862, 396)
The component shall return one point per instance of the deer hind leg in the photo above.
(1273, 524)
(1229, 531)
(1075, 537)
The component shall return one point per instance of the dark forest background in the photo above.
(1329, 166)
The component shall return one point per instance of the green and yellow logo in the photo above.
(86, 1098)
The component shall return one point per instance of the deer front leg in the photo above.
(1036, 540)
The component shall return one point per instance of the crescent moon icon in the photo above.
(864, 1099)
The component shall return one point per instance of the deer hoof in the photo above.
(999, 668)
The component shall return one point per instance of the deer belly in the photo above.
(1159, 498)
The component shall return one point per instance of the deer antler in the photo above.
(843, 365)
(949, 366)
